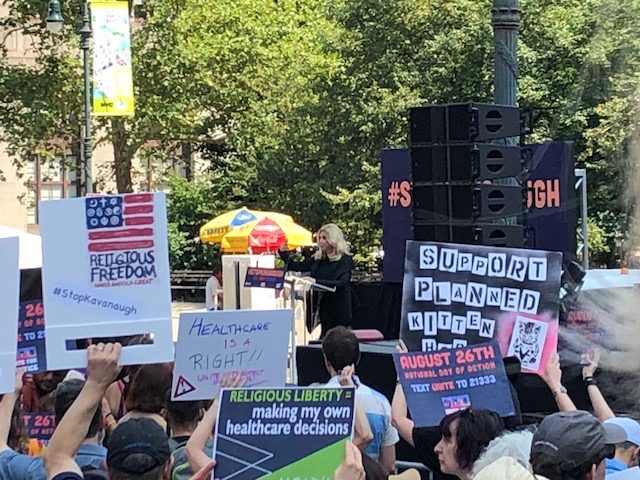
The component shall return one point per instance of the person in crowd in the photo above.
(183, 418)
(91, 455)
(330, 266)
(456, 443)
(117, 391)
(434, 446)
(572, 446)
(38, 392)
(138, 449)
(147, 393)
(341, 354)
(213, 290)
(627, 451)
(196, 448)
(464, 435)
(505, 458)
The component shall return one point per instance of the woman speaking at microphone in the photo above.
(330, 266)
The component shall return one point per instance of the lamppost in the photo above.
(54, 25)
(506, 22)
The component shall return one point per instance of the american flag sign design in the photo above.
(117, 223)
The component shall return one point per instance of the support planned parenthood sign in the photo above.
(459, 295)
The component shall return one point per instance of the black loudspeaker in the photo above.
(466, 203)
(466, 123)
(467, 163)
(513, 236)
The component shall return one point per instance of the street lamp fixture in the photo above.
(54, 18)
(54, 24)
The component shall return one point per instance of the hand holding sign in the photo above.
(351, 468)
(346, 376)
(102, 364)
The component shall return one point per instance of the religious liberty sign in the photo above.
(459, 295)
(285, 433)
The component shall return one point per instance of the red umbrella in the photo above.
(266, 236)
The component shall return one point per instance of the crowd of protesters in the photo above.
(120, 424)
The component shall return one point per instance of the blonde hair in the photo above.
(336, 240)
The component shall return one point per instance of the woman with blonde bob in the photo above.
(331, 266)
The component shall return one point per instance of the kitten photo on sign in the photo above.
(527, 342)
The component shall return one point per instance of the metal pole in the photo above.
(87, 140)
(506, 22)
(581, 186)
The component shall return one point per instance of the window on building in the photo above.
(49, 180)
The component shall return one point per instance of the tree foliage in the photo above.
(290, 102)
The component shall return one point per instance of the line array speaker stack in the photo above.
(468, 167)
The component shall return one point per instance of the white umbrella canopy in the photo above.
(30, 254)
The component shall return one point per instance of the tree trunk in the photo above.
(122, 155)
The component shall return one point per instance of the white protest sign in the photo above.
(106, 274)
(254, 343)
(9, 306)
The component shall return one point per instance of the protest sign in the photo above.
(252, 342)
(106, 274)
(459, 295)
(264, 278)
(39, 426)
(31, 345)
(9, 299)
(282, 433)
(436, 384)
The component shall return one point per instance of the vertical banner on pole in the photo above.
(112, 75)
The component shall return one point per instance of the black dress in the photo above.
(334, 308)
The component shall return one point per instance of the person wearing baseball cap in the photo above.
(627, 451)
(139, 448)
(572, 446)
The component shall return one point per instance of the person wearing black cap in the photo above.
(572, 446)
(139, 449)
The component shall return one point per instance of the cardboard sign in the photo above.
(459, 295)
(436, 384)
(282, 433)
(210, 344)
(264, 278)
(106, 274)
(39, 426)
(9, 300)
(31, 344)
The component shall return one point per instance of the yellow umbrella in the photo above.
(218, 227)
(265, 235)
